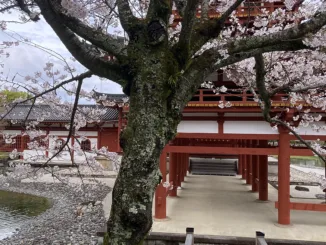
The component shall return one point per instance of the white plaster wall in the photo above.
(198, 127)
(309, 131)
(33, 155)
(59, 133)
(87, 133)
(232, 114)
(12, 132)
(248, 127)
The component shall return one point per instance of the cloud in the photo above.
(27, 60)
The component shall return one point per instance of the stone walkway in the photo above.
(218, 205)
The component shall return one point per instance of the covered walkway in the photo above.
(219, 205)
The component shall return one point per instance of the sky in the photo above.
(27, 60)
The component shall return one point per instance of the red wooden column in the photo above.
(284, 177)
(182, 166)
(254, 176)
(178, 162)
(160, 193)
(248, 172)
(173, 174)
(254, 169)
(239, 164)
(263, 178)
(244, 166)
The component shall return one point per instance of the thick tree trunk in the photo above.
(151, 124)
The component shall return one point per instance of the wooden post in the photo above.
(173, 174)
(248, 172)
(254, 176)
(160, 193)
(239, 164)
(178, 162)
(244, 166)
(182, 166)
(284, 177)
(263, 178)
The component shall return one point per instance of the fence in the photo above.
(190, 237)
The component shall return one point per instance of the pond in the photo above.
(15, 208)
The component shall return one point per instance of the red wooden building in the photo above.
(209, 129)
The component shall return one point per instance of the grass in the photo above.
(4, 155)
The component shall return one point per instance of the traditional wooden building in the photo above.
(225, 125)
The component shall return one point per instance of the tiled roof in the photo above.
(20, 112)
(110, 97)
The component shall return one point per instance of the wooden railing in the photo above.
(190, 237)
(204, 96)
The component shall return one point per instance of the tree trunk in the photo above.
(151, 124)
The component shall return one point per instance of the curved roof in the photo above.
(50, 114)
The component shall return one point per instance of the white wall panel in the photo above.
(198, 127)
(248, 127)
(12, 132)
(309, 131)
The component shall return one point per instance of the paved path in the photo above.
(218, 205)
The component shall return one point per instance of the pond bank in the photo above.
(74, 218)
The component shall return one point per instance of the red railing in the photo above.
(208, 96)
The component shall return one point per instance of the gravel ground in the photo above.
(299, 176)
(70, 221)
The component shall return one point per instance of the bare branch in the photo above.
(113, 45)
(71, 130)
(182, 48)
(83, 52)
(209, 29)
(24, 7)
(260, 83)
(76, 78)
(127, 19)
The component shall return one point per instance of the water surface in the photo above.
(15, 208)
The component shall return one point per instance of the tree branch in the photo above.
(260, 84)
(24, 7)
(83, 52)
(159, 10)
(204, 31)
(295, 33)
(127, 19)
(182, 48)
(113, 45)
(76, 78)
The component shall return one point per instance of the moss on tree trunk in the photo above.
(152, 122)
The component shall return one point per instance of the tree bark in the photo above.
(152, 122)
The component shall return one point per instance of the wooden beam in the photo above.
(221, 150)
(234, 150)
(244, 136)
(306, 206)
(227, 136)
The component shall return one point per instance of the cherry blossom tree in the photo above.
(161, 63)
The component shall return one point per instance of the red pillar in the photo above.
(248, 172)
(178, 162)
(160, 193)
(244, 166)
(284, 177)
(263, 178)
(182, 166)
(239, 164)
(254, 169)
(254, 176)
(173, 174)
